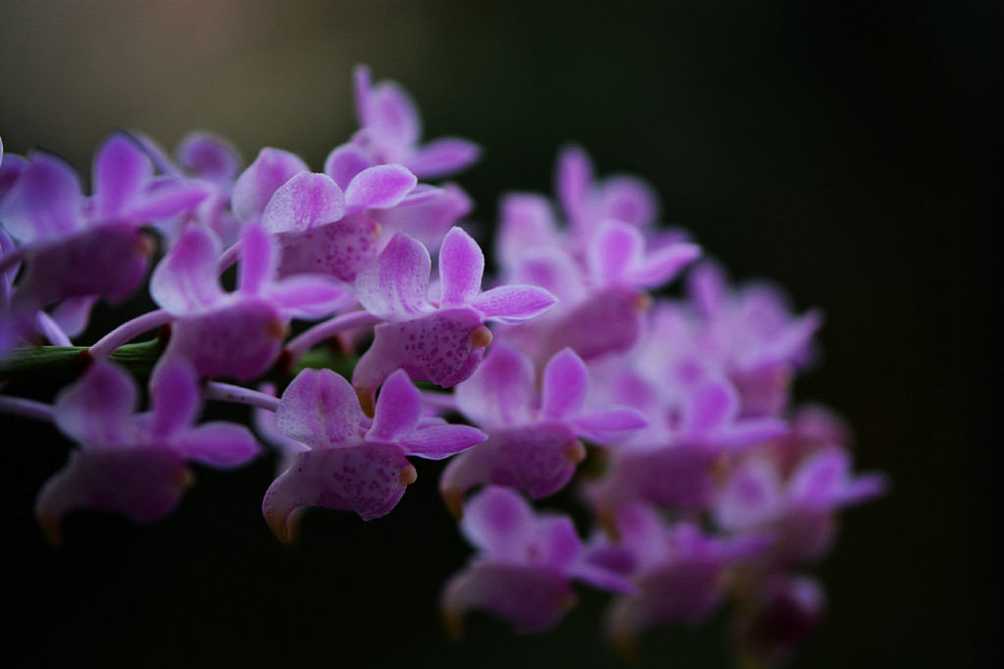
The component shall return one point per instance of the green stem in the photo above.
(30, 363)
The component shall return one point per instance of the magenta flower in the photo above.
(353, 463)
(134, 463)
(678, 571)
(77, 248)
(800, 509)
(440, 341)
(258, 183)
(391, 129)
(533, 441)
(322, 229)
(525, 565)
(239, 334)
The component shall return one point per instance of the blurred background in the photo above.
(838, 148)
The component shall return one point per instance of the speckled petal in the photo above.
(500, 392)
(256, 185)
(306, 201)
(367, 479)
(396, 286)
(339, 249)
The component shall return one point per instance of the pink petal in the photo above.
(185, 281)
(143, 484)
(217, 444)
(361, 92)
(344, 163)
(256, 185)
(499, 522)
(444, 347)
(209, 157)
(44, 203)
(556, 542)
(574, 180)
(97, 410)
(499, 393)
(442, 157)
(391, 115)
(306, 201)
(629, 200)
(659, 267)
(174, 394)
(461, 265)
(608, 322)
(320, 409)
(531, 598)
(240, 340)
(749, 432)
(397, 284)
(340, 249)
(308, 295)
(379, 187)
(165, 198)
(538, 460)
(600, 426)
(369, 480)
(436, 442)
(710, 407)
(120, 171)
(427, 213)
(527, 225)
(753, 496)
(513, 304)
(565, 384)
(398, 409)
(259, 259)
(707, 287)
(614, 251)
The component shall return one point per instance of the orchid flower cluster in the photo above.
(705, 484)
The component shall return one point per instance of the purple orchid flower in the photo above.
(525, 565)
(391, 128)
(679, 572)
(800, 510)
(134, 463)
(258, 183)
(322, 228)
(695, 422)
(80, 248)
(533, 443)
(439, 341)
(603, 298)
(426, 213)
(239, 334)
(353, 463)
(753, 334)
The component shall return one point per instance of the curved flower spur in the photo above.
(533, 438)
(354, 463)
(441, 341)
(134, 463)
(236, 335)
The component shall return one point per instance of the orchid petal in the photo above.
(392, 116)
(514, 304)
(259, 259)
(615, 250)
(97, 410)
(44, 203)
(442, 157)
(397, 284)
(436, 442)
(209, 157)
(574, 180)
(379, 187)
(120, 171)
(461, 266)
(398, 409)
(174, 393)
(185, 281)
(565, 385)
(308, 200)
(218, 444)
(344, 163)
(256, 185)
(320, 409)
(662, 265)
(499, 522)
(499, 392)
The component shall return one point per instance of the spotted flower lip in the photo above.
(441, 341)
(238, 334)
(391, 128)
(134, 463)
(533, 443)
(354, 463)
(525, 564)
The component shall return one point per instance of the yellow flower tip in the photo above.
(481, 337)
(454, 500)
(286, 528)
(625, 644)
(367, 401)
(186, 479)
(575, 452)
(409, 475)
(643, 302)
(568, 601)
(276, 329)
(607, 520)
(145, 244)
(51, 529)
(377, 230)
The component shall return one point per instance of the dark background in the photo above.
(839, 148)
